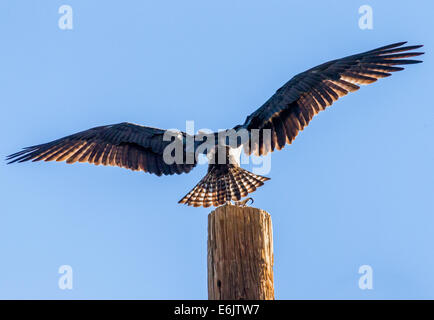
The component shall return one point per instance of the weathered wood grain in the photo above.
(240, 254)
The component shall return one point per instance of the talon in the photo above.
(243, 203)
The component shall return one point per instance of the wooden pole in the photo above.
(240, 254)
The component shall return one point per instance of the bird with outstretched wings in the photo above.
(283, 116)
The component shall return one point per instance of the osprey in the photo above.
(284, 115)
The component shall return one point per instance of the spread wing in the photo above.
(124, 145)
(291, 108)
(286, 113)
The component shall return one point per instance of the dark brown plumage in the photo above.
(292, 107)
(125, 145)
(286, 113)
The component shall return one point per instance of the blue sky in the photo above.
(355, 188)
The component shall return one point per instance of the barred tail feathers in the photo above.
(217, 188)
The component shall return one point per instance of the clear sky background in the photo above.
(356, 187)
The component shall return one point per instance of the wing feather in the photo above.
(302, 97)
(124, 145)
